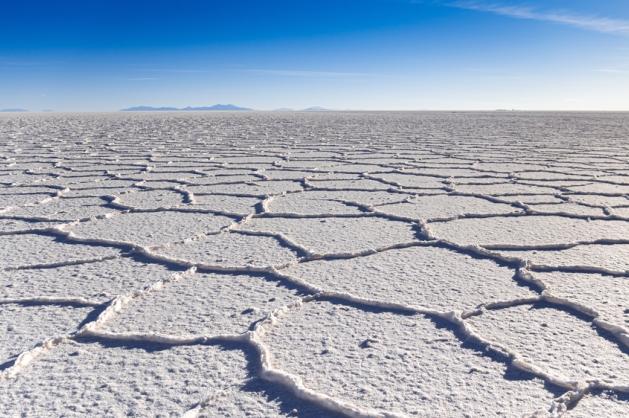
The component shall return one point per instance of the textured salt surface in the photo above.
(435, 278)
(232, 304)
(317, 265)
(375, 359)
(231, 250)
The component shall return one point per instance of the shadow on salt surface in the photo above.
(599, 404)
(511, 373)
(366, 308)
(610, 337)
(272, 391)
(7, 364)
(607, 335)
(559, 341)
(289, 405)
(93, 315)
(11, 225)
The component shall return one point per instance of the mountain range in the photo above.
(187, 108)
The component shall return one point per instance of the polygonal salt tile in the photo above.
(500, 189)
(600, 200)
(8, 179)
(259, 188)
(337, 235)
(508, 168)
(167, 175)
(234, 178)
(476, 180)
(412, 181)
(378, 197)
(532, 199)
(8, 191)
(99, 281)
(114, 186)
(287, 174)
(452, 172)
(98, 192)
(361, 184)
(613, 258)
(624, 212)
(22, 327)
(245, 159)
(13, 225)
(308, 203)
(620, 178)
(18, 200)
(152, 199)
(29, 249)
(555, 341)
(430, 277)
(355, 168)
(555, 183)
(569, 208)
(603, 188)
(90, 379)
(607, 295)
(552, 175)
(66, 209)
(231, 250)
(81, 180)
(157, 185)
(206, 304)
(319, 177)
(444, 206)
(396, 363)
(152, 228)
(528, 230)
(231, 204)
(323, 165)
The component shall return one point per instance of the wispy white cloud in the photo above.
(612, 70)
(307, 73)
(593, 23)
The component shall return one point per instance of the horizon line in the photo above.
(287, 110)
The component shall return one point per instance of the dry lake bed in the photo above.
(314, 264)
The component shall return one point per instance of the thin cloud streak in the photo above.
(593, 23)
(612, 71)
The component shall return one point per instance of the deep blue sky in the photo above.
(361, 54)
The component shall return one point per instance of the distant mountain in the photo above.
(315, 109)
(187, 108)
(218, 107)
(284, 109)
(13, 110)
(149, 109)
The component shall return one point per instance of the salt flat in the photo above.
(314, 264)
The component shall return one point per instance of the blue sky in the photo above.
(361, 54)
